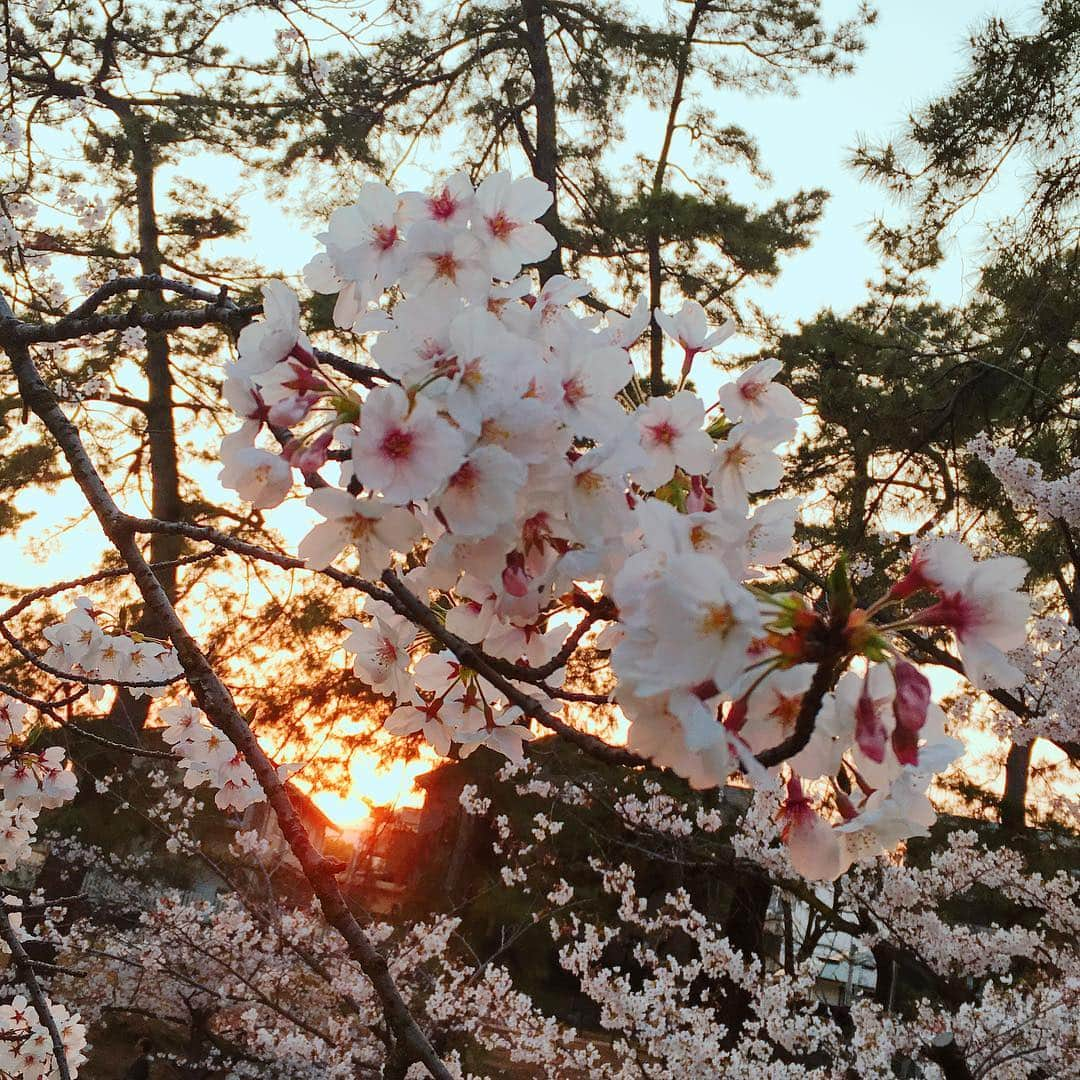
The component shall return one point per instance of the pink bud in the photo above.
(311, 458)
(515, 578)
(697, 499)
(905, 745)
(870, 731)
(912, 697)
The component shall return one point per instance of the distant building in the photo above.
(261, 818)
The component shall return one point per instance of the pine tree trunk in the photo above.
(1012, 810)
(546, 155)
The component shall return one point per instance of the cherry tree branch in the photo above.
(496, 670)
(144, 283)
(69, 676)
(418, 612)
(69, 328)
(43, 593)
(218, 309)
(215, 700)
(25, 968)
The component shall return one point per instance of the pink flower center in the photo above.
(573, 391)
(662, 433)
(442, 206)
(472, 374)
(466, 478)
(716, 621)
(786, 709)
(957, 612)
(736, 457)
(397, 444)
(359, 527)
(751, 391)
(432, 352)
(500, 225)
(589, 481)
(445, 266)
(385, 236)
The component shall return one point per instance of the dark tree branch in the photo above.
(25, 967)
(216, 701)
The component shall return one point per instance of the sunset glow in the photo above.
(373, 785)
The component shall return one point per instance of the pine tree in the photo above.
(554, 85)
(901, 384)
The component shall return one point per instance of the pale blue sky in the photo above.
(914, 52)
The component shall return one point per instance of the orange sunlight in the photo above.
(371, 784)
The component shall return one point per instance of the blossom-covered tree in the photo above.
(696, 762)
(500, 495)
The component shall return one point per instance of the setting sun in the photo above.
(371, 784)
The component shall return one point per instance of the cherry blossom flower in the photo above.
(771, 531)
(746, 461)
(439, 257)
(365, 241)
(624, 330)
(690, 328)
(426, 717)
(381, 654)
(263, 344)
(693, 625)
(582, 382)
(257, 476)
(813, 845)
(772, 707)
(374, 528)
(482, 493)
(78, 639)
(450, 204)
(753, 396)
(505, 219)
(404, 450)
(981, 604)
(672, 436)
(506, 735)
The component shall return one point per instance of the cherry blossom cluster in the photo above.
(503, 445)
(1025, 484)
(1015, 1022)
(913, 902)
(276, 985)
(82, 647)
(208, 757)
(31, 781)
(26, 1049)
(1049, 659)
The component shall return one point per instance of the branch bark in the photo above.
(215, 700)
(25, 969)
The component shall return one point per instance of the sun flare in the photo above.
(371, 784)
